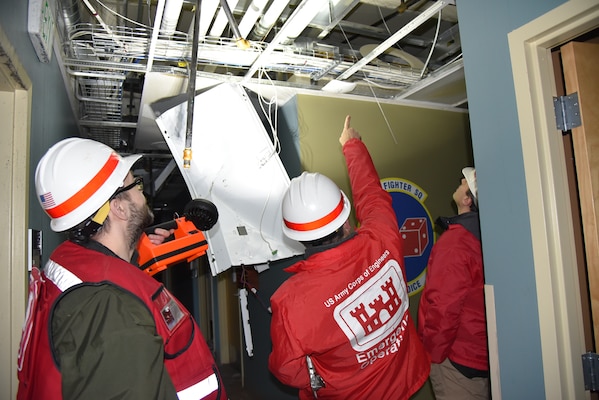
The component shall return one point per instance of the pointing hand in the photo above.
(348, 132)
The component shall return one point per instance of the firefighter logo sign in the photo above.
(416, 228)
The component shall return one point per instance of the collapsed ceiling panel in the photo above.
(235, 165)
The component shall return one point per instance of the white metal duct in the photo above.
(236, 166)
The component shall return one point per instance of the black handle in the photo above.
(172, 224)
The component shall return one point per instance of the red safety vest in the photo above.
(188, 359)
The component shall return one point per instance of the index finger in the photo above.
(347, 122)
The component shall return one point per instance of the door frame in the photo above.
(15, 94)
(553, 245)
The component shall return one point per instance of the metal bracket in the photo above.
(590, 369)
(567, 112)
(245, 319)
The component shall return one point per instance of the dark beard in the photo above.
(141, 218)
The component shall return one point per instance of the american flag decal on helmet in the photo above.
(47, 200)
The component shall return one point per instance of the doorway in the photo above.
(551, 220)
(15, 101)
(576, 74)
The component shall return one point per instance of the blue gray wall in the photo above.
(51, 115)
(506, 235)
(484, 25)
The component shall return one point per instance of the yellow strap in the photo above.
(102, 214)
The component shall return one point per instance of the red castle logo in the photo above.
(375, 309)
(383, 310)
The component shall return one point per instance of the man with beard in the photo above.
(97, 327)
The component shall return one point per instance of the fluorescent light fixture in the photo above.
(300, 19)
(295, 24)
(221, 21)
(208, 10)
(250, 17)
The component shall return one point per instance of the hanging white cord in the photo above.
(276, 143)
(433, 46)
(383, 113)
(111, 34)
(387, 27)
(372, 90)
(122, 16)
(272, 102)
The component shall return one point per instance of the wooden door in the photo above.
(580, 63)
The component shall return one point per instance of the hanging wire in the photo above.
(372, 90)
(246, 284)
(387, 27)
(433, 46)
(270, 103)
(122, 16)
(275, 137)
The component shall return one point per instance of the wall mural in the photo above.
(416, 227)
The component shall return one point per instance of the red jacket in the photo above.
(186, 357)
(451, 314)
(347, 307)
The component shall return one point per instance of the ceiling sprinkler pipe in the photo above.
(242, 43)
(172, 11)
(269, 19)
(254, 10)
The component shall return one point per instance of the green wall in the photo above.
(426, 146)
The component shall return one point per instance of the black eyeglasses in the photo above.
(139, 182)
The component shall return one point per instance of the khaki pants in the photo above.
(449, 384)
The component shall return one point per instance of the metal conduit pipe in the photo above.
(221, 19)
(88, 74)
(191, 87)
(241, 42)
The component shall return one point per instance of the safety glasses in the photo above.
(138, 182)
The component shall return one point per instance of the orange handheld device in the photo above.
(187, 242)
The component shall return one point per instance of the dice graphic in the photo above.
(415, 236)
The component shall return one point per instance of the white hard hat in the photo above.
(313, 207)
(470, 175)
(76, 177)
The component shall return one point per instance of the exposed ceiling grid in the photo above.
(117, 62)
(389, 50)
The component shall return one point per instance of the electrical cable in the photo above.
(122, 16)
(372, 91)
(387, 27)
(433, 45)
(276, 143)
(254, 291)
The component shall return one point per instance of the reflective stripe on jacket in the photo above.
(187, 358)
